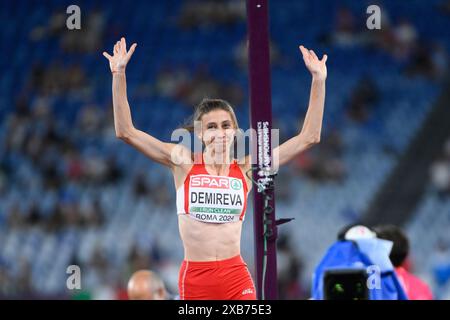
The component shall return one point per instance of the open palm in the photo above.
(317, 67)
(118, 61)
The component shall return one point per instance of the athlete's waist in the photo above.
(222, 263)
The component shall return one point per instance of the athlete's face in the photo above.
(218, 130)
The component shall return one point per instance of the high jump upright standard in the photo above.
(265, 229)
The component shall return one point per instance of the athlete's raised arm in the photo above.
(312, 125)
(168, 154)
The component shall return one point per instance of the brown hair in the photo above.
(207, 105)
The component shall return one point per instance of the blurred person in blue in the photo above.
(358, 251)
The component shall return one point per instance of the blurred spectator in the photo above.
(439, 57)
(168, 81)
(348, 31)
(138, 259)
(345, 28)
(7, 285)
(204, 85)
(56, 78)
(101, 274)
(190, 89)
(208, 13)
(22, 279)
(92, 214)
(3, 177)
(34, 217)
(289, 271)
(114, 171)
(55, 27)
(421, 63)
(73, 165)
(405, 39)
(440, 176)
(16, 217)
(440, 261)
(85, 40)
(146, 285)
(284, 191)
(440, 172)
(95, 168)
(364, 96)
(88, 38)
(141, 187)
(414, 287)
(429, 60)
(324, 161)
(161, 197)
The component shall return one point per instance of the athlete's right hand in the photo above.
(118, 62)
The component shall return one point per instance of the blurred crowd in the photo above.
(87, 39)
(401, 40)
(53, 164)
(54, 160)
(189, 88)
(210, 13)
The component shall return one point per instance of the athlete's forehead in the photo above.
(217, 116)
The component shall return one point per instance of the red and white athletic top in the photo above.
(213, 199)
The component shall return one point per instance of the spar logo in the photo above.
(215, 182)
(210, 182)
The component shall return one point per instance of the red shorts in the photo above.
(227, 279)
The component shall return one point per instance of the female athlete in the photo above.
(211, 188)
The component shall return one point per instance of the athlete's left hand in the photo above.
(317, 67)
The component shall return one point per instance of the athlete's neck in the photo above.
(218, 162)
